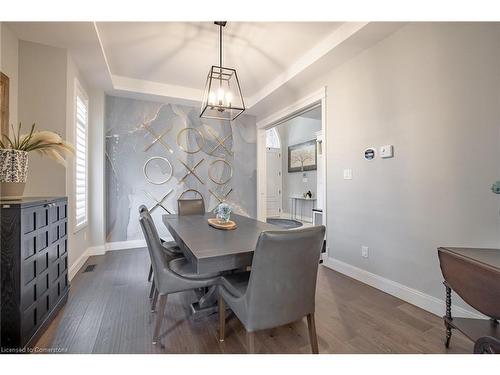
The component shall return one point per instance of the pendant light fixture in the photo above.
(222, 98)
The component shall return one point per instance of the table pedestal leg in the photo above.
(206, 305)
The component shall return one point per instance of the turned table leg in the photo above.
(448, 315)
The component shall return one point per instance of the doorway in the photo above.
(299, 144)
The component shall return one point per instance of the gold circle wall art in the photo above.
(200, 140)
(161, 162)
(211, 170)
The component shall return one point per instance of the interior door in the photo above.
(274, 182)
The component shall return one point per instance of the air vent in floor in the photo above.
(89, 268)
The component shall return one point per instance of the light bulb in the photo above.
(211, 98)
(220, 96)
(229, 98)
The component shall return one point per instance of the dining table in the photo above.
(213, 250)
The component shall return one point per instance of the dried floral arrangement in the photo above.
(44, 142)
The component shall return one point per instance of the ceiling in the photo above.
(180, 53)
(170, 60)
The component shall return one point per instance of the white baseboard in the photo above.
(103, 249)
(75, 267)
(410, 295)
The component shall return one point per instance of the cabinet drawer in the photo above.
(55, 272)
(54, 294)
(29, 270)
(43, 306)
(42, 240)
(63, 247)
(63, 210)
(53, 253)
(63, 229)
(42, 262)
(42, 217)
(29, 245)
(42, 283)
(53, 213)
(29, 321)
(53, 233)
(28, 220)
(28, 295)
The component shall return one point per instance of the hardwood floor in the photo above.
(108, 312)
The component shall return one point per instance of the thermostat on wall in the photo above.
(386, 151)
(370, 153)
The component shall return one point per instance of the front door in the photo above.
(274, 182)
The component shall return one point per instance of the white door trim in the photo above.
(317, 97)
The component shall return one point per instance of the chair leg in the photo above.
(152, 290)
(155, 298)
(150, 272)
(222, 318)
(159, 318)
(250, 342)
(312, 333)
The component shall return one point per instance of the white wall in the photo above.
(9, 66)
(79, 240)
(46, 96)
(42, 100)
(96, 168)
(433, 91)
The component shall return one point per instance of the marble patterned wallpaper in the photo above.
(132, 126)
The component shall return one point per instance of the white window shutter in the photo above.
(81, 167)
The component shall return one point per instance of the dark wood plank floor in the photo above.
(108, 312)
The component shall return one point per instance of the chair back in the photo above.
(282, 283)
(153, 242)
(191, 206)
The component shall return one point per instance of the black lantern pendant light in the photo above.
(222, 98)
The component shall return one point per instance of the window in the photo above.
(81, 165)
(272, 138)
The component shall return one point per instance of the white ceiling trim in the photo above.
(102, 49)
(121, 83)
(132, 85)
(338, 36)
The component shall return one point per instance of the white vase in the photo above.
(13, 169)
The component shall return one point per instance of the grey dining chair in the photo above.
(169, 247)
(281, 286)
(191, 206)
(172, 274)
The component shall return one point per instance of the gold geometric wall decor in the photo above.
(191, 171)
(145, 171)
(200, 135)
(210, 170)
(159, 203)
(220, 142)
(157, 138)
(222, 198)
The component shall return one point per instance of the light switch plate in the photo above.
(386, 151)
(364, 251)
(348, 174)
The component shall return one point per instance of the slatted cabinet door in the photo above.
(34, 267)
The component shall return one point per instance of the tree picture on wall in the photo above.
(302, 157)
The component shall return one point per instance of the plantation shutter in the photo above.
(81, 188)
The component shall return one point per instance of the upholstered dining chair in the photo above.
(172, 274)
(191, 206)
(169, 247)
(281, 286)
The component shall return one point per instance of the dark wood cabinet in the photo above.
(34, 267)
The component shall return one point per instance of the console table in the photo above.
(474, 274)
(34, 268)
(301, 199)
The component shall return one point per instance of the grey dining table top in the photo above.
(215, 250)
